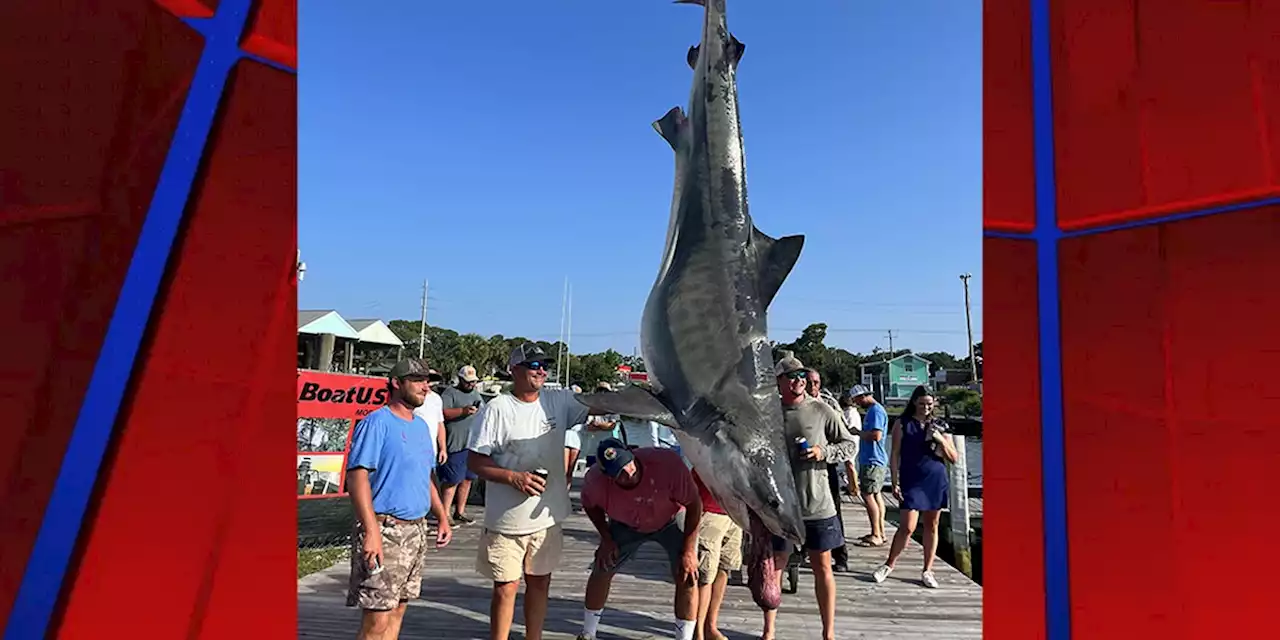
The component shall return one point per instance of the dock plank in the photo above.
(455, 599)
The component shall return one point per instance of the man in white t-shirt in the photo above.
(517, 447)
(432, 411)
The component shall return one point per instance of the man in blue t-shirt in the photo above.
(873, 463)
(389, 479)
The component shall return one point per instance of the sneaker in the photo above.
(463, 518)
(881, 573)
(840, 567)
(928, 580)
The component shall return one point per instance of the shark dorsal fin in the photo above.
(777, 258)
(736, 49)
(670, 125)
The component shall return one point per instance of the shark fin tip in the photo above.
(669, 126)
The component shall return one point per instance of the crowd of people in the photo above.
(638, 488)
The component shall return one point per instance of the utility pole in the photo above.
(422, 328)
(968, 321)
(884, 370)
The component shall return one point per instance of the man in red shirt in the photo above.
(719, 552)
(633, 497)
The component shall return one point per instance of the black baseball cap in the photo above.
(528, 352)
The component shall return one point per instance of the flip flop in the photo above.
(867, 538)
(868, 543)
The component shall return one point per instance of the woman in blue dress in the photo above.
(918, 468)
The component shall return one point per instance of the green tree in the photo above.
(590, 369)
(839, 368)
(447, 350)
(961, 401)
(977, 352)
(941, 360)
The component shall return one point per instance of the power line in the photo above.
(896, 332)
(888, 305)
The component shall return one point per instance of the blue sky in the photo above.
(495, 148)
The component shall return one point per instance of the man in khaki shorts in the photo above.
(389, 480)
(517, 446)
(719, 553)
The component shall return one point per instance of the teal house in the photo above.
(895, 379)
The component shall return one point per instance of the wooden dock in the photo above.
(455, 599)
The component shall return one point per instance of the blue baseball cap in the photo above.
(613, 455)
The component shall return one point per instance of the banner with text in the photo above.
(329, 406)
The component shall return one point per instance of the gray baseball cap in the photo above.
(528, 352)
(788, 363)
(410, 367)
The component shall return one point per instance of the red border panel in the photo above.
(1161, 106)
(1172, 424)
(1263, 25)
(202, 436)
(273, 32)
(1117, 436)
(190, 8)
(1013, 539)
(81, 147)
(1222, 273)
(1008, 199)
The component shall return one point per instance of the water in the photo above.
(973, 458)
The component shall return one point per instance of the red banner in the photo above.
(329, 405)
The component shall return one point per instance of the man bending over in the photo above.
(632, 497)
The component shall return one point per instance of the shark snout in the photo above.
(777, 504)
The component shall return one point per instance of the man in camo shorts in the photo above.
(389, 479)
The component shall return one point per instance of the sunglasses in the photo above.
(798, 375)
(536, 365)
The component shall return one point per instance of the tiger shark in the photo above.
(704, 335)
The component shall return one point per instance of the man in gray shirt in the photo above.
(461, 403)
(839, 555)
(816, 436)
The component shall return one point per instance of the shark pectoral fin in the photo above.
(692, 56)
(736, 49)
(633, 402)
(777, 258)
(670, 126)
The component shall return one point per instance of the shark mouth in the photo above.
(762, 570)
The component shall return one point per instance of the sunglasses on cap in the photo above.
(536, 365)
